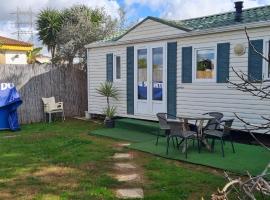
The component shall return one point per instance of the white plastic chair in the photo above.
(50, 107)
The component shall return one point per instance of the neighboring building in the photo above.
(182, 67)
(42, 59)
(13, 51)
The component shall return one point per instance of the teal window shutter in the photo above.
(171, 77)
(109, 67)
(255, 61)
(130, 80)
(187, 65)
(223, 62)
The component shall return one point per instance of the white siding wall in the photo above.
(198, 98)
(192, 98)
(150, 29)
(97, 75)
(16, 57)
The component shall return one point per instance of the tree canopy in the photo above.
(66, 32)
(49, 23)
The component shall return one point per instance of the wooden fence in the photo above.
(67, 84)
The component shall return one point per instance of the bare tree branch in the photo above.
(259, 184)
(251, 85)
(254, 48)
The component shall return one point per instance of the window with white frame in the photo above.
(117, 67)
(205, 64)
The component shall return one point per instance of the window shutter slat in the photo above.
(130, 80)
(255, 61)
(109, 67)
(171, 77)
(187, 65)
(223, 62)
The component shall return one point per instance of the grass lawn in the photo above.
(62, 161)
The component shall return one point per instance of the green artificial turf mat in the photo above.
(138, 122)
(124, 134)
(138, 125)
(247, 157)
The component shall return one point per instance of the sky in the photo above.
(136, 9)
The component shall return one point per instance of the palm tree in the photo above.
(31, 55)
(49, 23)
(108, 90)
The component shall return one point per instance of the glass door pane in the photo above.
(142, 73)
(157, 74)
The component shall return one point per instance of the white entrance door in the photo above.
(150, 79)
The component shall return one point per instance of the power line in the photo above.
(24, 24)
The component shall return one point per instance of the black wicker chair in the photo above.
(177, 130)
(213, 124)
(221, 135)
(164, 128)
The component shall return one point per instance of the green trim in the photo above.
(187, 64)
(171, 77)
(130, 80)
(255, 61)
(223, 62)
(109, 67)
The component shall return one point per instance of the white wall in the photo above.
(198, 98)
(97, 75)
(16, 57)
(149, 29)
(192, 98)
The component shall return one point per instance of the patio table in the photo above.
(199, 122)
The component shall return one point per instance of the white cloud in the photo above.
(183, 9)
(110, 6)
(7, 20)
(7, 29)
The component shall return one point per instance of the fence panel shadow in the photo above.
(67, 84)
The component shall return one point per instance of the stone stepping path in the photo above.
(129, 176)
(122, 156)
(10, 136)
(124, 166)
(130, 193)
(123, 144)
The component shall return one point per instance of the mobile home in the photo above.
(182, 67)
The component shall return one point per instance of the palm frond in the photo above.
(107, 89)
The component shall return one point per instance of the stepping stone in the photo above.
(124, 166)
(127, 177)
(123, 144)
(10, 136)
(120, 146)
(130, 193)
(122, 156)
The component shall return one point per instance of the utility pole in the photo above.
(24, 24)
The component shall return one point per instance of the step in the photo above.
(132, 193)
(150, 127)
(127, 177)
(124, 166)
(124, 134)
(123, 144)
(122, 156)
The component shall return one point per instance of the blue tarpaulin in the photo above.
(9, 102)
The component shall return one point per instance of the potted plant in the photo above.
(200, 69)
(108, 90)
